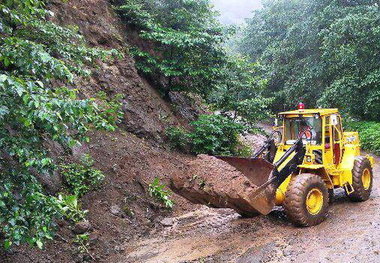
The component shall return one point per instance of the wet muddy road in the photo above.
(351, 233)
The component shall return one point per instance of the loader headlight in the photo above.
(308, 159)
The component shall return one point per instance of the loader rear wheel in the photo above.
(306, 201)
(362, 177)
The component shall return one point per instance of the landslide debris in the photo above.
(215, 183)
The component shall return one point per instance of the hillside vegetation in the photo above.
(36, 109)
(184, 50)
(325, 53)
(93, 93)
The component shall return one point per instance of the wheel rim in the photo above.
(314, 201)
(366, 178)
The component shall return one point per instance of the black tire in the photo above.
(295, 204)
(361, 192)
(331, 195)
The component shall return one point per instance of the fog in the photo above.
(235, 11)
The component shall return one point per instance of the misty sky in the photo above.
(234, 11)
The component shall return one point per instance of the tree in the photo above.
(321, 52)
(240, 91)
(186, 52)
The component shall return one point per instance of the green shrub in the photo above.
(158, 191)
(369, 133)
(81, 177)
(210, 134)
(70, 208)
(215, 135)
(83, 243)
(178, 138)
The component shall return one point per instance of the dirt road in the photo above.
(350, 234)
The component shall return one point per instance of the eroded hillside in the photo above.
(131, 157)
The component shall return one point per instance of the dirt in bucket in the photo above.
(217, 184)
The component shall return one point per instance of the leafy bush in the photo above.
(158, 191)
(215, 135)
(83, 243)
(210, 134)
(70, 208)
(81, 177)
(24, 209)
(186, 52)
(110, 108)
(369, 133)
(178, 138)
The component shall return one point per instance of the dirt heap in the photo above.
(215, 183)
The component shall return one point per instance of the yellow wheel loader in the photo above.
(305, 159)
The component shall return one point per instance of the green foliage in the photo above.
(243, 150)
(180, 34)
(215, 135)
(186, 52)
(210, 134)
(178, 138)
(110, 108)
(35, 55)
(81, 177)
(70, 208)
(26, 214)
(158, 191)
(321, 52)
(241, 91)
(83, 243)
(369, 133)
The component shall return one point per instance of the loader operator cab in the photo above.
(307, 128)
(321, 133)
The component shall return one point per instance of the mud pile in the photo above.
(215, 183)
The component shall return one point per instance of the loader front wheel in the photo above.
(362, 177)
(306, 200)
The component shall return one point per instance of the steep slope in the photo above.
(146, 114)
(130, 157)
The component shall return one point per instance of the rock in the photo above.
(116, 211)
(166, 222)
(82, 227)
(118, 249)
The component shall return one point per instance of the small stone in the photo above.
(168, 222)
(118, 249)
(116, 210)
(82, 227)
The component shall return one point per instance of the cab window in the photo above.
(309, 128)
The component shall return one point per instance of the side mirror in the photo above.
(334, 119)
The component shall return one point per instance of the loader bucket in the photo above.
(259, 172)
